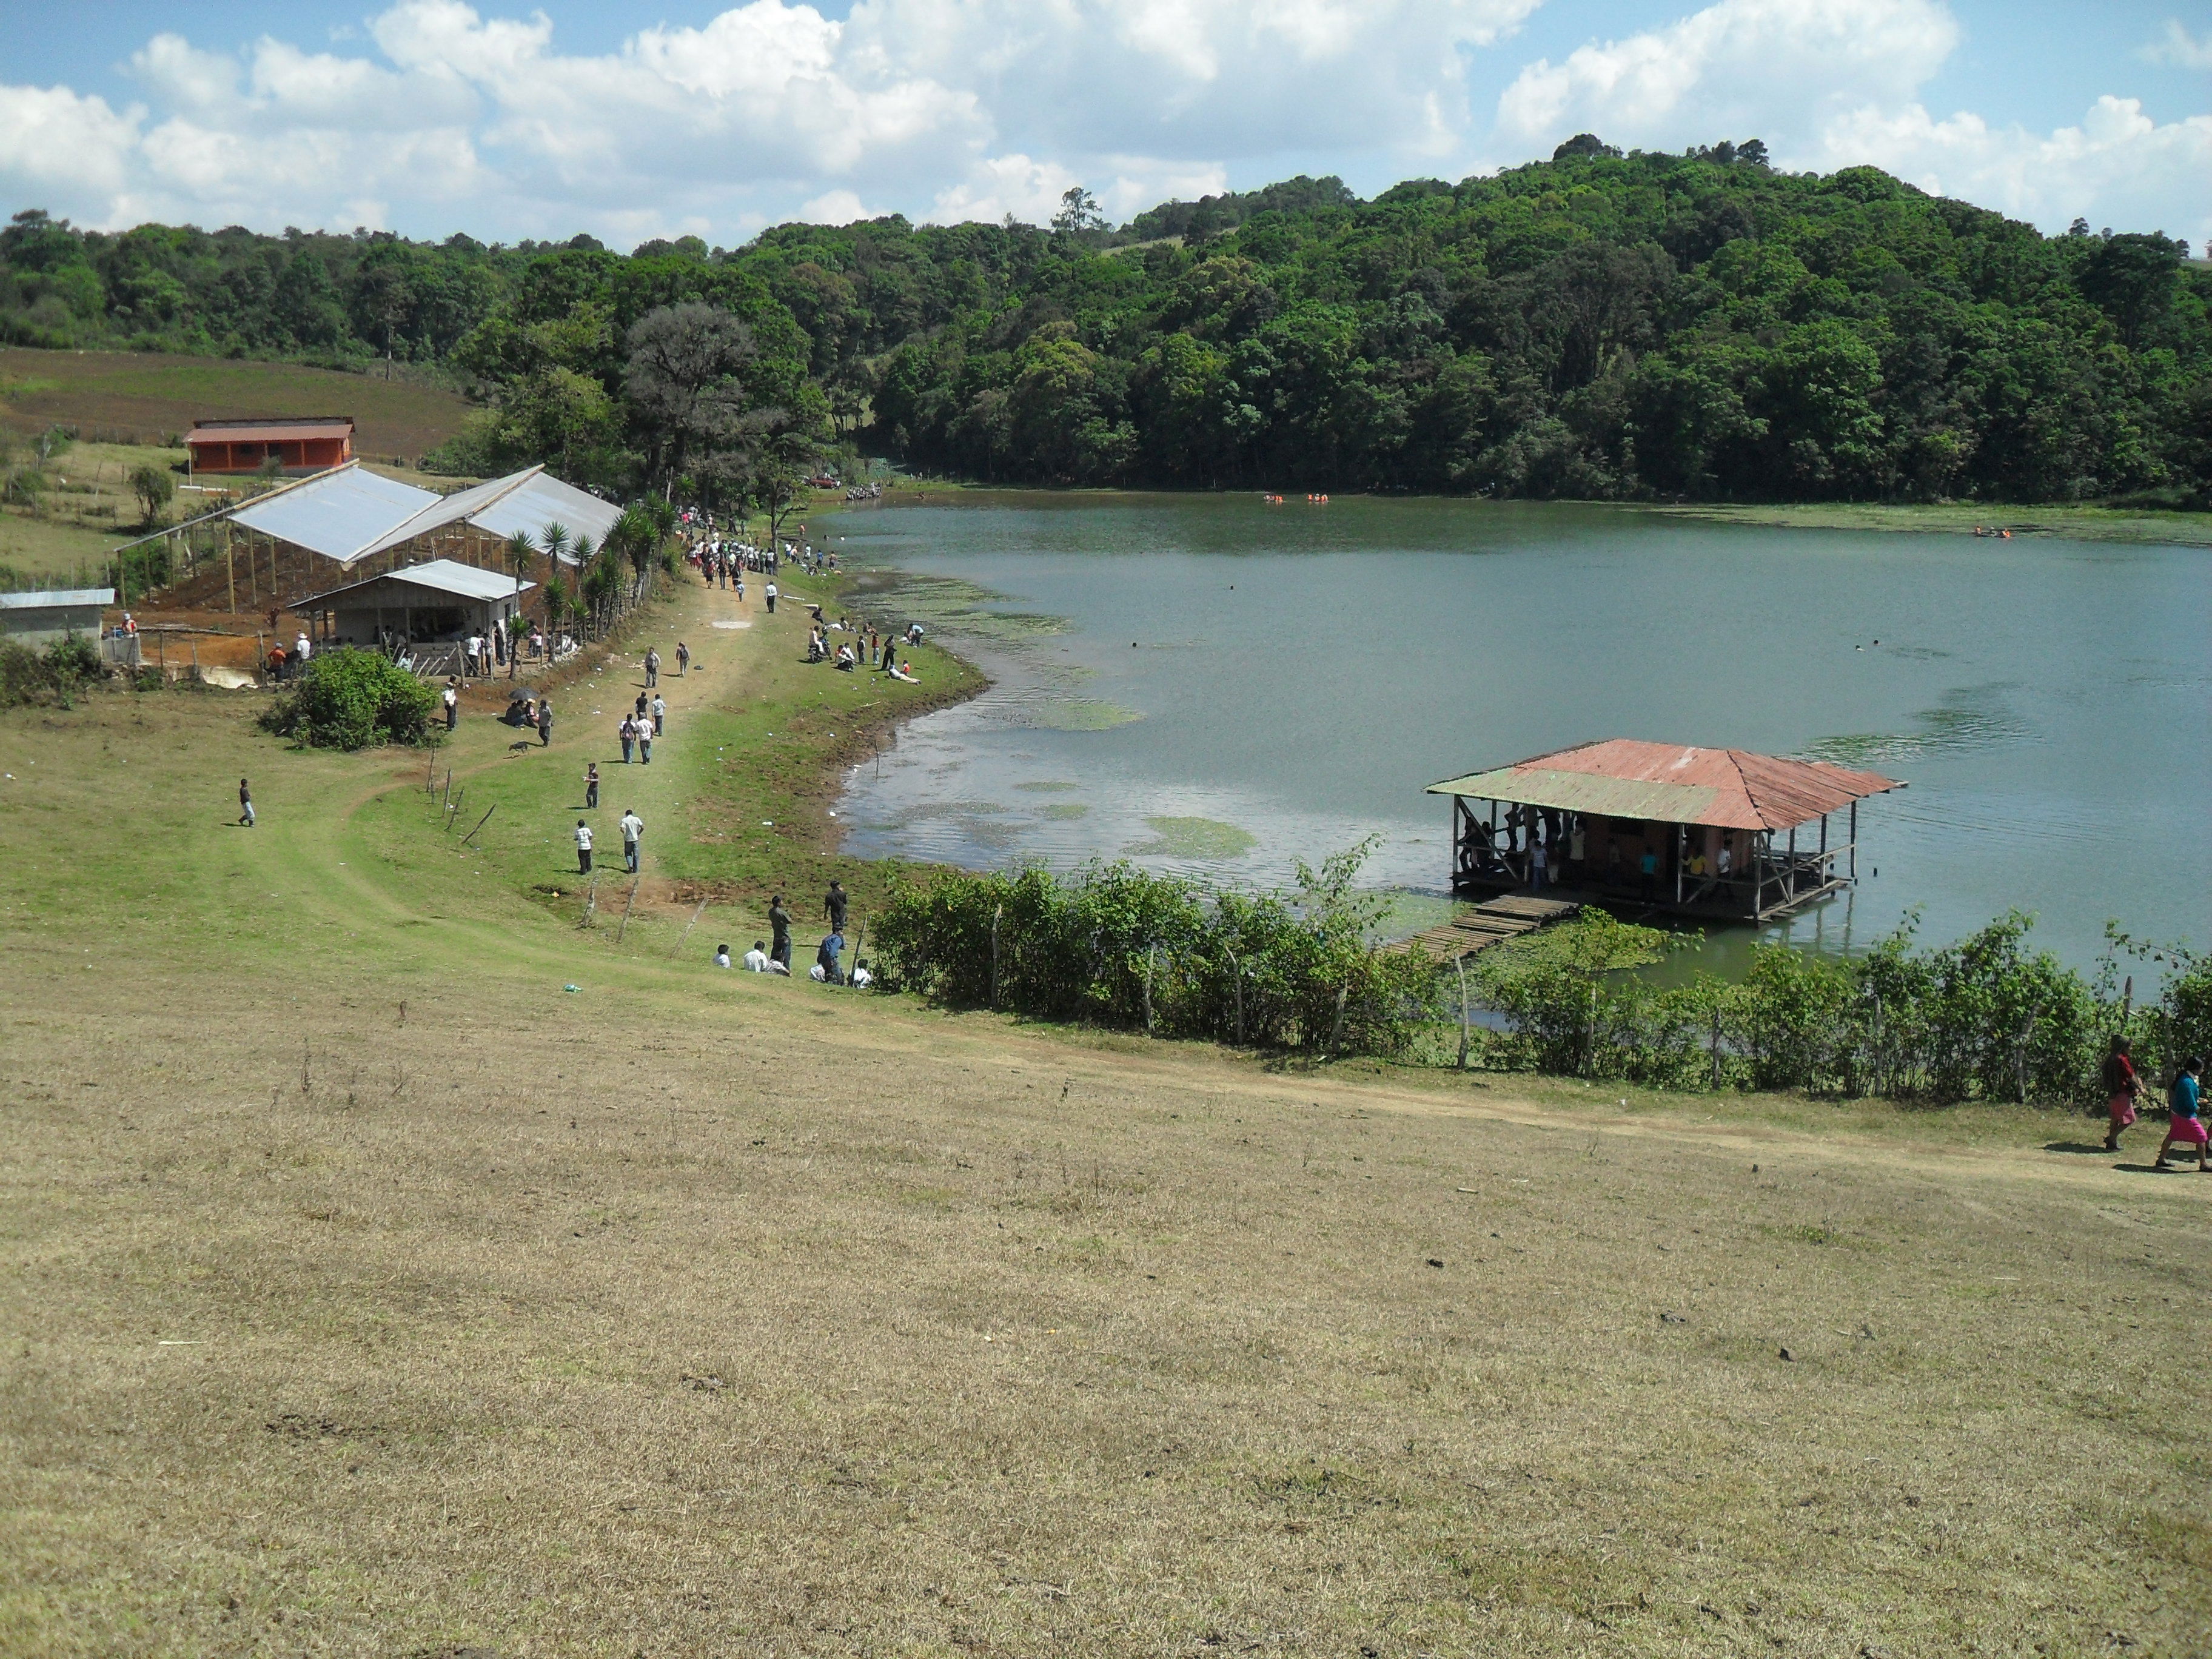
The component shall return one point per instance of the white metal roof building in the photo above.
(41, 618)
(443, 599)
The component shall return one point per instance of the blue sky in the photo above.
(433, 115)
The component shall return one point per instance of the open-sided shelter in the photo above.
(1728, 834)
(417, 603)
(306, 538)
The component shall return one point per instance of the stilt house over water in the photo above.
(1720, 834)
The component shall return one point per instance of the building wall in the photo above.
(42, 625)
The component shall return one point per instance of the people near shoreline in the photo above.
(2185, 1115)
(590, 785)
(633, 832)
(1647, 870)
(835, 903)
(584, 846)
(1539, 865)
(2122, 1088)
(825, 970)
(779, 928)
(845, 663)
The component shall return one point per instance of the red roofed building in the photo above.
(1663, 825)
(298, 446)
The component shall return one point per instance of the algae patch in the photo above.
(1194, 838)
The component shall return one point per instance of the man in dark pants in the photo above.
(583, 847)
(544, 724)
(652, 668)
(833, 906)
(779, 924)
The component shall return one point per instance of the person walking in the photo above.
(644, 702)
(651, 668)
(683, 659)
(452, 697)
(633, 831)
(545, 723)
(2122, 1088)
(833, 906)
(2184, 1119)
(768, 593)
(584, 846)
(245, 803)
(592, 786)
(645, 743)
(660, 715)
(627, 733)
(779, 932)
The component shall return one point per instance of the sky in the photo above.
(429, 117)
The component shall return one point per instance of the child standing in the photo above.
(2186, 1122)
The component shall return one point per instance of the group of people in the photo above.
(773, 954)
(281, 664)
(530, 712)
(868, 647)
(2125, 1089)
(1544, 846)
(631, 825)
(647, 721)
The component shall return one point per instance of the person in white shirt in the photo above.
(583, 847)
(721, 955)
(756, 960)
(453, 700)
(633, 830)
(300, 650)
(861, 975)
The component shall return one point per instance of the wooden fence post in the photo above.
(688, 926)
(636, 881)
(1459, 964)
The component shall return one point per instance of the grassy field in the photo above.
(396, 1267)
(141, 397)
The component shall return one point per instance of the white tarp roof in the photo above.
(348, 514)
(465, 581)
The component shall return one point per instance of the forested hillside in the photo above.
(1599, 325)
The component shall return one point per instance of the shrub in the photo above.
(51, 677)
(350, 699)
(1281, 970)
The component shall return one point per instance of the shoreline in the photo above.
(2141, 526)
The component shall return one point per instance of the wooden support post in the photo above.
(1681, 841)
(1855, 841)
(1790, 865)
(230, 564)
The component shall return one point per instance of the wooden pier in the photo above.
(1486, 924)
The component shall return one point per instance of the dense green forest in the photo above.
(1597, 325)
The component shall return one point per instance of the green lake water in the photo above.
(1214, 685)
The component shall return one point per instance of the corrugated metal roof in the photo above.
(256, 432)
(1669, 783)
(338, 514)
(55, 599)
(542, 499)
(445, 510)
(465, 581)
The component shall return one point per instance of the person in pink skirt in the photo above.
(2184, 1117)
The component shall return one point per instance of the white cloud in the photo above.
(441, 115)
(1739, 70)
(51, 140)
(2180, 47)
(2119, 167)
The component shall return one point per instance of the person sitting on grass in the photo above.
(861, 976)
(721, 955)
(2185, 1115)
(756, 960)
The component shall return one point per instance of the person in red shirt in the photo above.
(2122, 1088)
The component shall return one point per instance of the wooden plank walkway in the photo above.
(1507, 916)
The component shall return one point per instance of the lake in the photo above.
(1214, 685)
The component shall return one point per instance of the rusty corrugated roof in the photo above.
(1670, 783)
(268, 431)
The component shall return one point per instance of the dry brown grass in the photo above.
(696, 1314)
